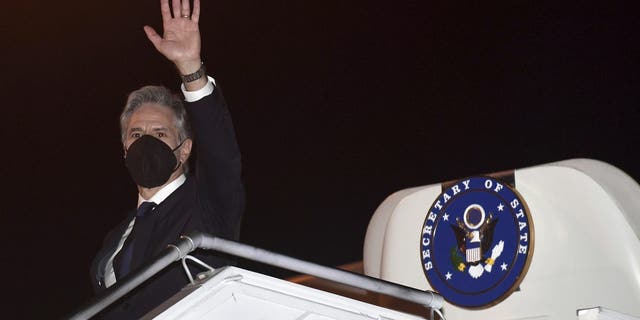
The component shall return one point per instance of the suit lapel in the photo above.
(109, 246)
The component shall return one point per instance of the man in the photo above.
(172, 200)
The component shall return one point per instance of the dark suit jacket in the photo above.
(211, 200)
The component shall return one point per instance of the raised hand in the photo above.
(180, 42)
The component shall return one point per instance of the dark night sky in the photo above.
(337, 104)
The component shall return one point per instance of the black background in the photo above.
(337, 104)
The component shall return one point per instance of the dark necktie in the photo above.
(122, 263)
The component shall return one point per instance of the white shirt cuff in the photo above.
(191, 96)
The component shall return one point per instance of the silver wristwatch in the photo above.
(194, 76)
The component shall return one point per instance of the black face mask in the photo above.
(151, 161)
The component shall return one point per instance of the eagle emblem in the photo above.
(474, 236)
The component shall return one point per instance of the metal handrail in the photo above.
(188, 243)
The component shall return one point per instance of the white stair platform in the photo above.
(235, 293)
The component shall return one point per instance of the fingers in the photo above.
(186, 9)
(166, 12)
(177, 11)
(195, 16)
(153, 36)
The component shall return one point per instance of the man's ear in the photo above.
(185, 150)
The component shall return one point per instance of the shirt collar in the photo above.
(164, 192)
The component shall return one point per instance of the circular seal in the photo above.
(477, 242)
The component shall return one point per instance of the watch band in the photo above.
(195, 76)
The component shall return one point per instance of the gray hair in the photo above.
(159, 95)
(164, 97)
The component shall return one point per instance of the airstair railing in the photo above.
(190, 242)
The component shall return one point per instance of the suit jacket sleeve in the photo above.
(220, 191)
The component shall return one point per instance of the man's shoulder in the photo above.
(180, 199)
